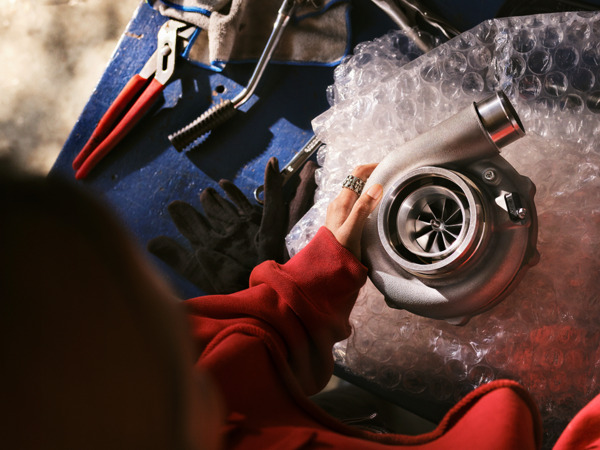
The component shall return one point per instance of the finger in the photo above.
(342, 205)
(237, 197)
(273, 210)
(305, 193)
(363, 207)
(339, 209)
(273, 181)
(270, 239)
(218, 210)
(190, 223)
(364, 172)
(349, 234)
(347, 196)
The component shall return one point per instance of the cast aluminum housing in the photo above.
(457, 227)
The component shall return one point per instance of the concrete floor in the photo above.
(52, 55)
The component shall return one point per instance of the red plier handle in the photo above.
(116, 121)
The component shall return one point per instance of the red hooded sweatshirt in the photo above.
(270, 347)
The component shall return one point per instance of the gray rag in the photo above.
(237, 30)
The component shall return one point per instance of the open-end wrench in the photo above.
(294, 165)
(219, 114)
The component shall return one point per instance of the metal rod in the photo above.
(283, 17)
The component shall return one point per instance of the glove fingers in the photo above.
(190, 223)
(237, 197)
(305, 194)
(270, 239)
(273, 189)
(218, 210)
(170, 252)
(224, 251)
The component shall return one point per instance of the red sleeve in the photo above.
(302, 306)
(584, 430)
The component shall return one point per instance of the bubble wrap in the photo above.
(546, 333)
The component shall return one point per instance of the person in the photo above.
(97, 352)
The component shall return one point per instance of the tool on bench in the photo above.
(294, 165)
(416, 8)
(219, 114)
(118, 120)
(407, 20)
(397, 15)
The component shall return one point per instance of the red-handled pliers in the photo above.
(114, 125)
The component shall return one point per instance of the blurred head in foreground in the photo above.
(95, 351)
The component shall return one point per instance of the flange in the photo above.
(431, 220)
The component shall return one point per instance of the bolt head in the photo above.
(489, 175)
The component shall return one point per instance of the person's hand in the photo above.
(346, 215)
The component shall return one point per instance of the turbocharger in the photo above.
(456, 228)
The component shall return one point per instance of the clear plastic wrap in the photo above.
(545, 334)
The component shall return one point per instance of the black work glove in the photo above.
(222, 254)
(270, 239)
(231, 238)
(304, 196)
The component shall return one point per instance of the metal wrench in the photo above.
(294, 165)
